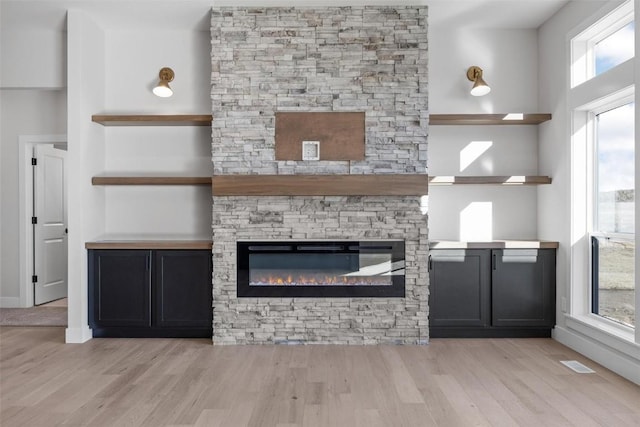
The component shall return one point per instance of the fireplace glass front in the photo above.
(321, 269)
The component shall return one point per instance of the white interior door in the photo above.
(50, 230)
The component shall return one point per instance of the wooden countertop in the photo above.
(494, 244)
(149, 244)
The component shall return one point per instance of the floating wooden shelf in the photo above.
(149, 244)
(494, 244)
(488, 119)
(489, 180)
(151, 180)
(320, 185)
(153, 119)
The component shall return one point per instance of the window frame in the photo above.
(585, 97)
(583, 62)
(585, 163)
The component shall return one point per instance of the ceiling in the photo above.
(188, 14)
(503, 14)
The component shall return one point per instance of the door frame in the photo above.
(26, 143)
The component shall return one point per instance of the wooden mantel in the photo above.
(320, 185)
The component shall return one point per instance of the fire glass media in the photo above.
(321, 269)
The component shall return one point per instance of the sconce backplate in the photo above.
(473, 72)
(166, 74)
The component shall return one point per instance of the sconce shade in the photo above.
(480, 87)
(162, 89)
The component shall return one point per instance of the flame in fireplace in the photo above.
(289, 280)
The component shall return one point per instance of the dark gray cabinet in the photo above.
(121, 288)
(150, 293)
(491, 292)
(182, 290)
(459, 288)
(523, 288)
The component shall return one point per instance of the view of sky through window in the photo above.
(615, 49)
(616, 178)
(616, 147)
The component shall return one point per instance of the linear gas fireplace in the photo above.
(321, 269)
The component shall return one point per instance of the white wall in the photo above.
(508, 57)
(133, 59)
(22, 112)
(32, 58)
(555, 216)
(85, 154)
(509, 60)
(33, 45)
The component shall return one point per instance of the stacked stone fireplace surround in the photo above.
(268, 60)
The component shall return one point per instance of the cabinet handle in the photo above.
(493, 262)
(430, 263)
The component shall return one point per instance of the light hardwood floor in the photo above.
(183, 382)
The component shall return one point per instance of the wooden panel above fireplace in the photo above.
(341, 134)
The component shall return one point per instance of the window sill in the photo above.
(617, 337)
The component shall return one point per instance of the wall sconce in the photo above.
(480, 87)
(162, 89)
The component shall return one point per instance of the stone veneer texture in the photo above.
(371, 59)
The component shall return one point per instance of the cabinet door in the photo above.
(120, 288)
(523, 287)
(182, 288)
(459, 287)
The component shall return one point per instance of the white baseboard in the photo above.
(10, 302)
(77, 335)
(611, 359)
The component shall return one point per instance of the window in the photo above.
(604, 45)
(613, 235)
(615, 48)
(603, 298)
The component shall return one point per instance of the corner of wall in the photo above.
(77, 335)
(85, 71)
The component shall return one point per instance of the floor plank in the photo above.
(190, 382)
